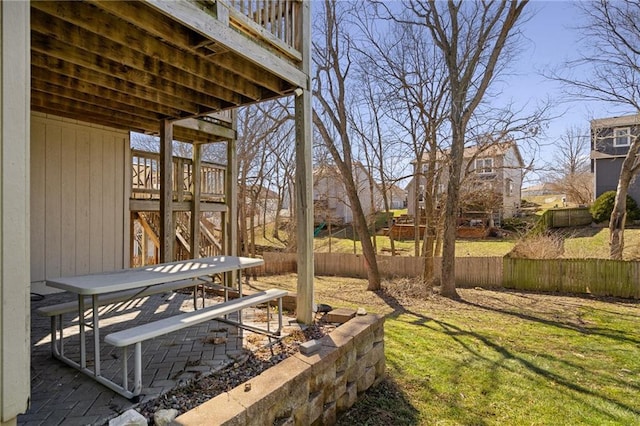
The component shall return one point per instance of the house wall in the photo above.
(411, 201)
(79, 187)
(606, 175)
(512, 171)
(331, 189)
(14, 211)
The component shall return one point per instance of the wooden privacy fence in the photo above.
(601, 277)
(565, 217)
(470, 271)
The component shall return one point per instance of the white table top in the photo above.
(127, 279)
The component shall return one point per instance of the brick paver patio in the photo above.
(61, 395)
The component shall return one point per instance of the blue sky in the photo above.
(552, 39)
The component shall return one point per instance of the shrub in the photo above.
(515, 224)
(541, 246)
(603, 206)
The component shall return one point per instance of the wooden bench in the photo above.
(56, 311)
(136, 335)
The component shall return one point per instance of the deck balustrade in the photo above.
(145, 178)
(276, 22)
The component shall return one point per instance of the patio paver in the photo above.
(62, 395)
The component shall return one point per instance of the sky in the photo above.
(552, 39)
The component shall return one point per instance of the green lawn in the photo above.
(588, 242)
(496, 358)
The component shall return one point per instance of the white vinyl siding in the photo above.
(77, 198)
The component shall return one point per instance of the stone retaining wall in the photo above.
(305, 390)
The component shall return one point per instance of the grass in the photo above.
(495, 357)
(587, 242)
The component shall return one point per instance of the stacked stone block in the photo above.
(305, 389)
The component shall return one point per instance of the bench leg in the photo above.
(279, 316)
(83, 347)
(57, 339)
(96, 334)
(137, 369)
(125, 369)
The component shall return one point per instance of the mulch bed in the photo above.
(246, 367)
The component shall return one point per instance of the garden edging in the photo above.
(305, 389)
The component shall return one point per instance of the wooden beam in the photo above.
(59, 72)
(304, 180)
(165, 28)
(190, 15)
(154, 206)
(134, 69)
(230, 218)
(167, 230)
(94, 104)
(149, 230)
(206, 127)
(134, 39)
(76, 89)
(196, 177)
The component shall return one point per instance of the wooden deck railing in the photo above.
(145, 178)
(277, 22)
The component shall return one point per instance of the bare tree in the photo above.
(612, 54)
(332, 59)
(412, 76)
(570, 172)
(257, 126)
(473, 37)
(379, 149)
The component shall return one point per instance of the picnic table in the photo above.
(129, 284)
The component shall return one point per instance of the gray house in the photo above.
(610, 142)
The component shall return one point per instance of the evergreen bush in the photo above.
(603, 206)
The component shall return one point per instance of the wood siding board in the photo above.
(95, 203)
(123, 175)
(38, 206)
(108, 194)
(53, 247)
(68, 201)
(83, 202)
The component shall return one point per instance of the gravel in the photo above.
(259, 356)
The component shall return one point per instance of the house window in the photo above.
(621, 137)
(508, 187)
(484, 165)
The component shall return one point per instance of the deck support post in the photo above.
(231, 199)
(304, 178)
(196, 189)
(167, 231)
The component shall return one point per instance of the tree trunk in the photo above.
(368, 251)
(448, 280)
(619, 213)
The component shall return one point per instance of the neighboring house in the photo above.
(330, 200)
(610, 141)
(397, 197)
(266, 205)
(492, 182)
